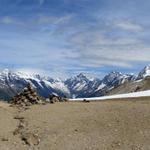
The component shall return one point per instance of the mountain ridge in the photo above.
(141, 83)
(12, 82)
(78, 86)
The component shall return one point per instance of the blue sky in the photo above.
(65, 37)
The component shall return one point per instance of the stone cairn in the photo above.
(26, 98)
(54, 98)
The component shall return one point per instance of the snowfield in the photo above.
(129, 95)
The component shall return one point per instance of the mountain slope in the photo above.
(142, 83)
(81, 86)
(111, 81)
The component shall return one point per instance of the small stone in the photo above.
(109, 125)
(141, 132)
(135, 147)
(19, 117)
(15, 143)
(116, 130)
(86, 101)
(21, 125)
(31, 139)
(52, 101)
(17, 131)
(4, 139)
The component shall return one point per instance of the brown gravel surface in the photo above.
(105, 125)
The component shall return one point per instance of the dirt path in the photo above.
(7, 126)
(107, 125)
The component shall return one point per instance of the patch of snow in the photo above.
(138, 81)
(79, 86)
(24, 75)
(101, 86)
(123, 81)
(5, 71)
(27, 77)
(129, 95)
(57, 85)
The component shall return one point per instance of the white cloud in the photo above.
(96, 38)
(89, 47)
(129, 26)
(52, 19)
(39, 20)
(96, 49)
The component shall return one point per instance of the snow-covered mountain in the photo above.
(112, 80)
(81, 86)
(144, 73)
(12, 82)
(140, 83)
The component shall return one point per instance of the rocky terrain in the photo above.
(100, 125)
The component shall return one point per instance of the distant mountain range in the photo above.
(12, 82)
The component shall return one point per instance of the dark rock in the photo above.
(19, 117)
(86, 101)
(4, 139)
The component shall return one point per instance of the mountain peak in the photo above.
(113, 74)
(145, 72)
(81, 75)
(6, 71)
(147, 69)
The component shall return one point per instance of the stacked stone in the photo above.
(26, 98)
(53, 98)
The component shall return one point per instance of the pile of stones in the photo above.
(54, 98)
(27, 97)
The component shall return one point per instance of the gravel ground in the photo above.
(100, 125)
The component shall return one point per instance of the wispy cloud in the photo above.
(42, 19)
(129, 26)
(96, 48)
(10, 20)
